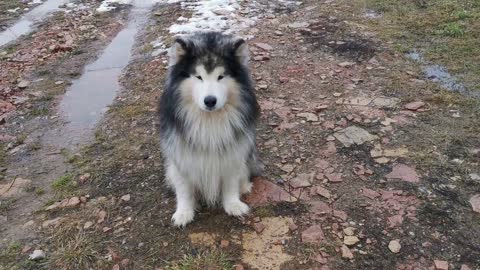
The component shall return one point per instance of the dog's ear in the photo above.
(241, 51)
(178, 50)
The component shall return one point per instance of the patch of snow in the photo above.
(107, 5)
(211, 15)
(13, 10)
(35, 2)
(159, 47)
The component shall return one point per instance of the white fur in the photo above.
(210, 85)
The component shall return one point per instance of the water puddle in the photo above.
(88, 98)
(26, 22)
(440, 75)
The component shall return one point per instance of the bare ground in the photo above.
(333, 196)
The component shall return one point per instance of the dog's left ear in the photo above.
(178, 50)
(240, 49)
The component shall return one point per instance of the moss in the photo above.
(265, 211)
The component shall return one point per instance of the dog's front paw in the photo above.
(182, 217)
(236, 208)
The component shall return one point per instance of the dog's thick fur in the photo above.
(209, 151)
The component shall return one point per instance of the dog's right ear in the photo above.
(178, 50)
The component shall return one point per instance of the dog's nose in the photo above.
(210, 101)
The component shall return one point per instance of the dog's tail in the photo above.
(255, 164)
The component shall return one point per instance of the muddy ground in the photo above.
(369, 163)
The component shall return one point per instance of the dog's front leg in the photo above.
(185, 194)
(231, 192)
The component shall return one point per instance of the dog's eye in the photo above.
(220, 77)
(199, 77)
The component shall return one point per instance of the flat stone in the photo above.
(340, 214)
(265, 192)
(87, 225)
(310, 117)
(394, 246)
(353, 135)
(413, 106)
(264, 46)
(288, 168)
(73, 202)
(125, 198)
(346, 253)
(321, 191)
(302, 180)
(319, 208)
(382, 160)
(403, 172)
(358, 101)
(474, 176)
(334, 177)
(346, 64)
(52, 223)
(298, 25)
(350, 231)
(396, 152)
(475, 203)
(258, 227)
(101, 216)
(350, 240)
(386, 102)
(23, 84)
(440, 265)
(37, 254)
(395, 221)
(465, 267)
(369, 193)
(314, 235)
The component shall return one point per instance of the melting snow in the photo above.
(211, 15)
(107, 4)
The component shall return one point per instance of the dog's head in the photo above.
(209, 69)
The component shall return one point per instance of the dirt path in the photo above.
(370, 165)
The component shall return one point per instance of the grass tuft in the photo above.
(64, 184)
(207, 260)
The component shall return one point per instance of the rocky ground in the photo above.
(370, 164)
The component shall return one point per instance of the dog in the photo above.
(208, 114)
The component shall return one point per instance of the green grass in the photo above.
(447, 31)
(206, 260)
(6, 204)
(74, 249)
(64, 184)
(41, 111)
(452, 29)
(8, 256)
(3, 154)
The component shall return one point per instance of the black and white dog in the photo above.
(208, 114)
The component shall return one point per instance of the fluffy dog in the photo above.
(208, 113)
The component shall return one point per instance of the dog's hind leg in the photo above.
(185, 194)
(255, 164)
(231, 191)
